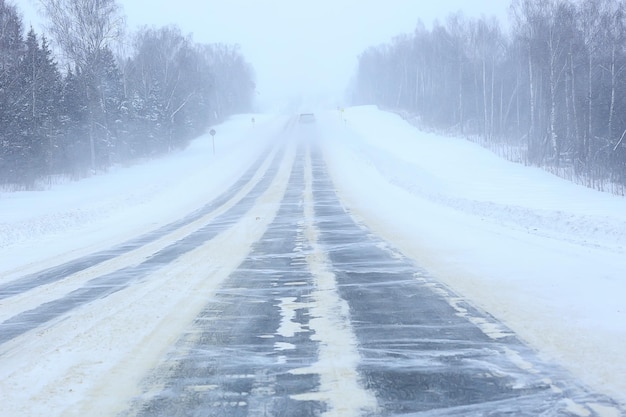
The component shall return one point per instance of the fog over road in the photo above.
(290, 307)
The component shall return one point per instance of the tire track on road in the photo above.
(59, 272)
(105, 285)
(239, 356)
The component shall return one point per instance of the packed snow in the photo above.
(542, 255)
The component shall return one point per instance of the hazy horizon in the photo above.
(297, 50)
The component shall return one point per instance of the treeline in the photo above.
(549, 93)
(102, 108)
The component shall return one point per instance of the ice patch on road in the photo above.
(577, 409)
(284, 346)
(288, 327)
(605, 411)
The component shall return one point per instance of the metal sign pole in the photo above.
(212, 133)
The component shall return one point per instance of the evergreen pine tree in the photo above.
(11, 50)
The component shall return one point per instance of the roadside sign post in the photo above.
(212, 132)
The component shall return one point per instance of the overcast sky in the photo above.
(296, 46)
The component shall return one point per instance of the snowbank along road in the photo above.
(268, 300)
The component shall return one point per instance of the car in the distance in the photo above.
(306, 118)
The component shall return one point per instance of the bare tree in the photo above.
(487, 47)
(590, 26)
(615, 33)
(526, 27)
(457, 27)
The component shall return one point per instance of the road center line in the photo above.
(340, 387)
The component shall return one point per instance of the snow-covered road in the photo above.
(541, 255)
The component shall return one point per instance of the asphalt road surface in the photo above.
(322, 318)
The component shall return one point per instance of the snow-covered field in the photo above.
(542, 255)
